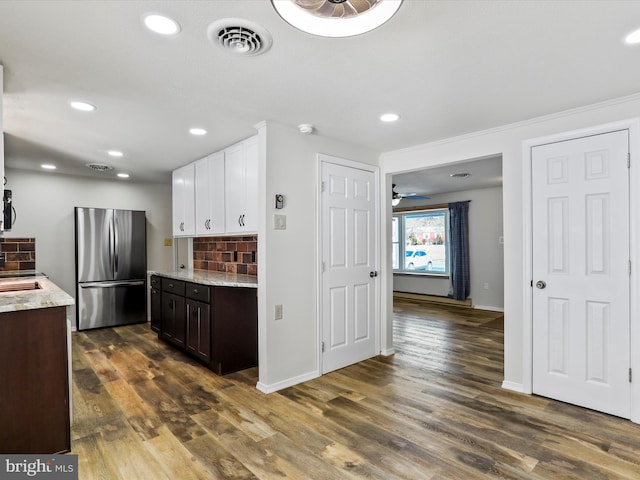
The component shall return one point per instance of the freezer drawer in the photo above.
(107, 304)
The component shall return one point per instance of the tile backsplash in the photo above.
(235, 254)
(19, 253)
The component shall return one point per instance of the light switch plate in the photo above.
(279, 222)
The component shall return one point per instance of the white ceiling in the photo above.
(447, 67)
(483, 173)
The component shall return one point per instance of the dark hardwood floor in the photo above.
(434, 410)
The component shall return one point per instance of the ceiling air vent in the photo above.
(239, 37)
(100, 167)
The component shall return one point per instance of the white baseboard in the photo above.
(289, 382)
(388, 352)
(490, 308)
(513, 386)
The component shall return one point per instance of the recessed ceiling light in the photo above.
(48, 166)
(161, 24)
(389, 117)
(197, 131)
(336, 18)
(123, 175)
(460, 175)
(83, 106)
(115, 153)
(633, 38)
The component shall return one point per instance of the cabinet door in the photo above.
(198, 340)
(183, 201)
(216, 193)
(234, 166)
(173, 318)
(156, 309)
(203, 204)
(241, 187)
(251, 185)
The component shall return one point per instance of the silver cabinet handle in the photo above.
(541, 284)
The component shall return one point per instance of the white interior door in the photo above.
(581, 252)
(349, 303)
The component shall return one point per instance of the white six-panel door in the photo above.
(580, 196)
(348, 255)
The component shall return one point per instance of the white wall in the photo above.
(287, 263)
(507, 141)
(485, 252)
(44, 203)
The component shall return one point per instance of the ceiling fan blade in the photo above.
(412, 196)
(417, 197)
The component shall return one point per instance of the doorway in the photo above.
(349, 286)
(580, 247)
(580, 200)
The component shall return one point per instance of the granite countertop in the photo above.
(206, 277)
(49, 295)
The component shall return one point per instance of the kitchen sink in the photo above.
(19, 286)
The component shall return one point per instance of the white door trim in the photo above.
(633, 125)
(322, 158)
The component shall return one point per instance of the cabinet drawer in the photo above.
(156, 282)
(173, 286)
(197, 291)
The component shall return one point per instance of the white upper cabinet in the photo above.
(241, 187)
(183, 201)
(209, 194)
(218, 194)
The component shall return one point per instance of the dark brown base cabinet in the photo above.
(34, 382)
(216, 325)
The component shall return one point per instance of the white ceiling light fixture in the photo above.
(633, 38)
(197, 131)
(115, 153)
(161, 24)
(336, 18)
(82, 106)
(389, 117)
(123, 175)
(239, 37)
(48, 166)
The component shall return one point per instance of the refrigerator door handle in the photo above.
(128, 283)
(115, 246)
(111, 246)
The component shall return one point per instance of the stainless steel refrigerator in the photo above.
(111, 267)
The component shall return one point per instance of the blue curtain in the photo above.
(459, 244)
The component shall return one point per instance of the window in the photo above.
(420, 238)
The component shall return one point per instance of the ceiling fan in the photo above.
(396, 197)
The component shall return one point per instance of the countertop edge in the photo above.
(211, 278)
(49, 296)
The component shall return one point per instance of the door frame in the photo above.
(633, 126)
(322, 158)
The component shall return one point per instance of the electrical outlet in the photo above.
(278, 312)
(486, 286)
(168, 242)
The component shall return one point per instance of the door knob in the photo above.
(373, 274)
(540, 284)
